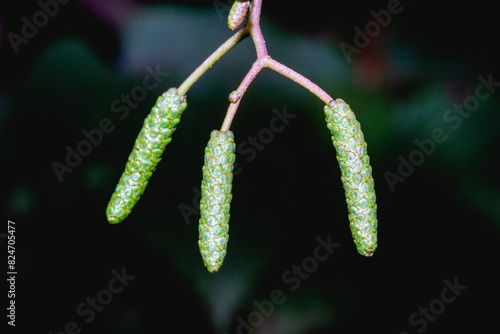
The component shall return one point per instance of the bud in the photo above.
(356, 174)
(237, 14)
(216, 198)
(155, 135)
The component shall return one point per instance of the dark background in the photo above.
(441, 223)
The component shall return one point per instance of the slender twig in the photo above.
(252, 28)
(228, 45)
(257, 66)
(253, 25)
(264, 60)
(298, 78)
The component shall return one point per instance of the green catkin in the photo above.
(155, 135)
(216, 198)
(237, 13)
(356, 174)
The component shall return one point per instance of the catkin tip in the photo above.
(114, 220)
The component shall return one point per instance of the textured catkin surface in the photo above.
(356, 174)
(216, 198)
(155, 135)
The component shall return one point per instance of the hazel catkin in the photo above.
(155, 135)
(356, 174)
(216, 198)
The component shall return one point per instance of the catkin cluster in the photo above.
(216, 185)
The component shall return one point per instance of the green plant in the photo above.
(356, 174)
(155, 135)
(219, 155)
(216, 198)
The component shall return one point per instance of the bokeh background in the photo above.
(439, 222)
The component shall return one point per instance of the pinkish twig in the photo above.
(264, 60)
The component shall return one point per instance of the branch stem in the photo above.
(216, 55)
(298, 78)
(253, 29)
(257, 66)
(253, 25)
